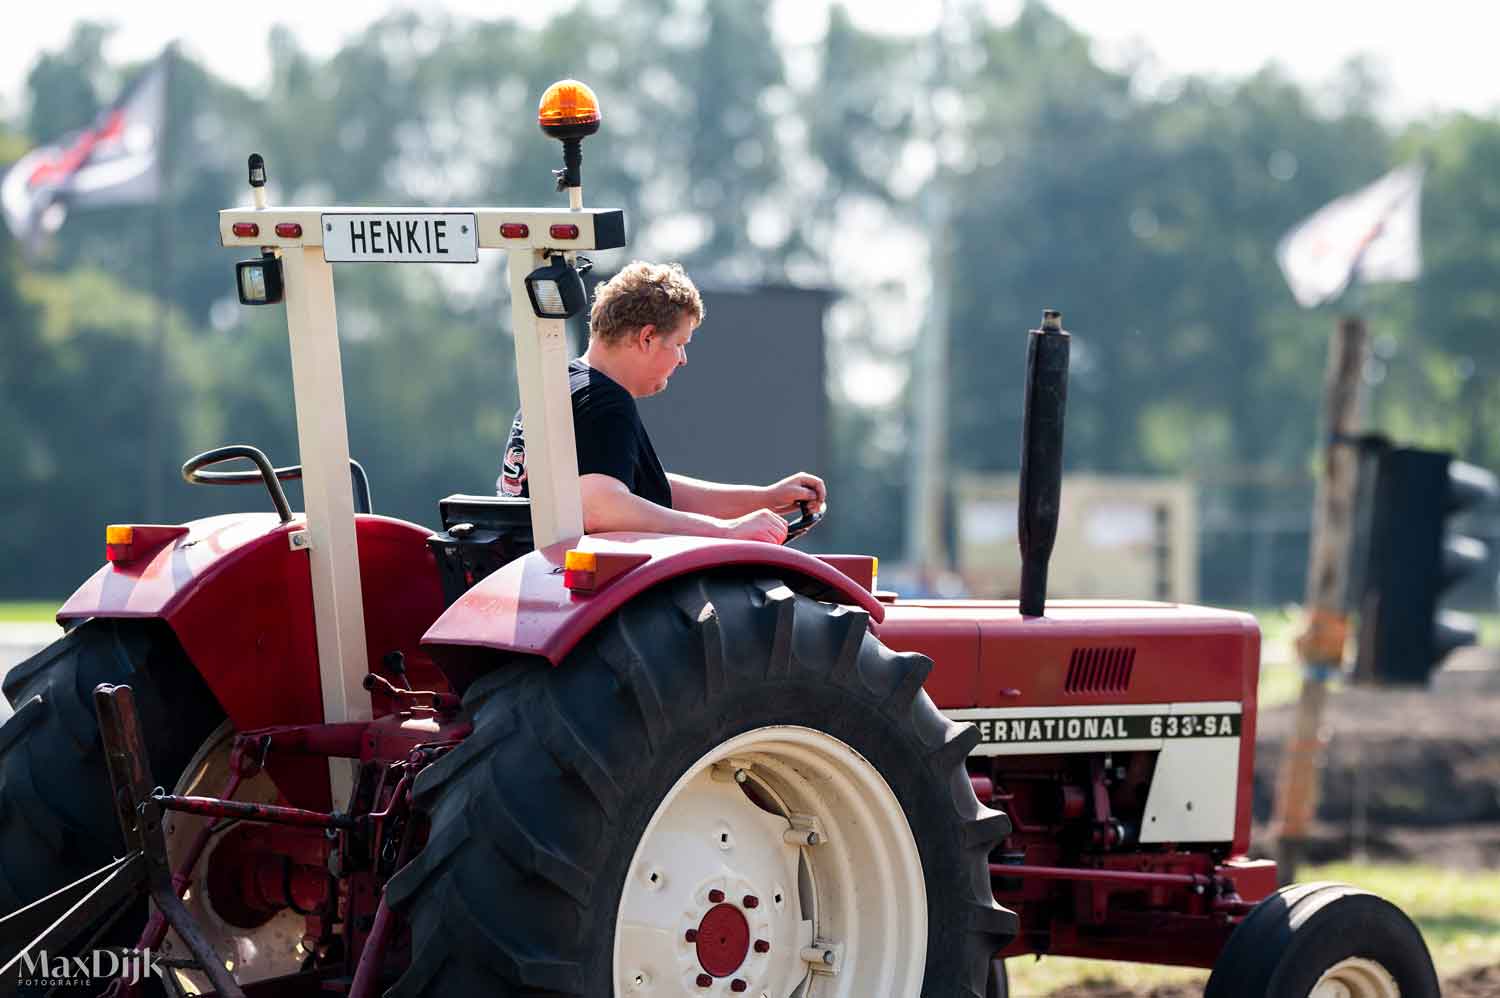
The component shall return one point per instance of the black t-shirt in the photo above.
(610, 439)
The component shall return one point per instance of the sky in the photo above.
(1437, 55)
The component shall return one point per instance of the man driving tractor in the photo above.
(639, 329)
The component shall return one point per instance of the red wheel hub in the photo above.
(723, 940)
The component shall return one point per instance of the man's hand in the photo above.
(784, 496)
(761, 525)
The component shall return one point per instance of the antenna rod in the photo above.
(1041, 456)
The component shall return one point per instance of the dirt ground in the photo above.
(1410, 775)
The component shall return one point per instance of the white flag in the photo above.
(1371, 235)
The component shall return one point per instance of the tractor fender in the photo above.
(525, 608)
(238, 597)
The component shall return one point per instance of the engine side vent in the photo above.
(1099, 670)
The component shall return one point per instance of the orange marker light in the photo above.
(117, 542)
(569, 109)
(579, 570)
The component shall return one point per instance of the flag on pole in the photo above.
(111, 162)
(1372, 235)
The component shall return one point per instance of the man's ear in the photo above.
(643, 335)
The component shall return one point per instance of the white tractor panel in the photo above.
(1193, 791)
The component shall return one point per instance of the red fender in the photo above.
(525, 608)
(239, 599)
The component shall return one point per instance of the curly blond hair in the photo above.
(644, 294)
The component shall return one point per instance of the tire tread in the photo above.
(57, 822)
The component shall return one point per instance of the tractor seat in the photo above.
(486, 512)
(480, 534)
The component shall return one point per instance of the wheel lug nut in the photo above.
(691, 935)
(705, 981)
(715, 896)
(751, 901)
(762, 946)
(737, 985)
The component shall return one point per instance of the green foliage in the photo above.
(32, 612)
(64, 86)
(72, 375)
(23, 445)
(1152, 225)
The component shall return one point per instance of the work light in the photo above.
(556, 290)
(259, 280)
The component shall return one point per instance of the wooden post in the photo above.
(1320, 646)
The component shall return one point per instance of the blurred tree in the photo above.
(1443, 369)
(77, 350)
(1153, 225)
(871, 144)
(65, 86)
(24, 446)
(724, 134)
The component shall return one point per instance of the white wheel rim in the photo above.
(269, 950)
(1356, 977)
(857, 895)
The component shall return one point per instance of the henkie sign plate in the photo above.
(400, 237)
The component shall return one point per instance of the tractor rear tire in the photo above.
(1324, 938)
(56, 819)
(539, 817)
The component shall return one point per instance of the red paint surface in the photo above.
(1182, 654)
(859, 567)
(154, 586)
(1253, 879)
(723, 940)
(240, 601)
(525, 608)
(146, 539)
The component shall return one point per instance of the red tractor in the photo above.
(342, 754)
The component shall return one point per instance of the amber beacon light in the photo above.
(569, 110)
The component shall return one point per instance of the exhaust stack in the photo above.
(1041, 456)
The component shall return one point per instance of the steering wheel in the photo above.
(798, 525)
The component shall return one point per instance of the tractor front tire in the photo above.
(723, 789)
(1311, 940)
(57, 822)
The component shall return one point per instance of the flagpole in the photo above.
(157, 393)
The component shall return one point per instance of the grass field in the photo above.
(1280, 677)
(28, 612)
(1457, 911)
